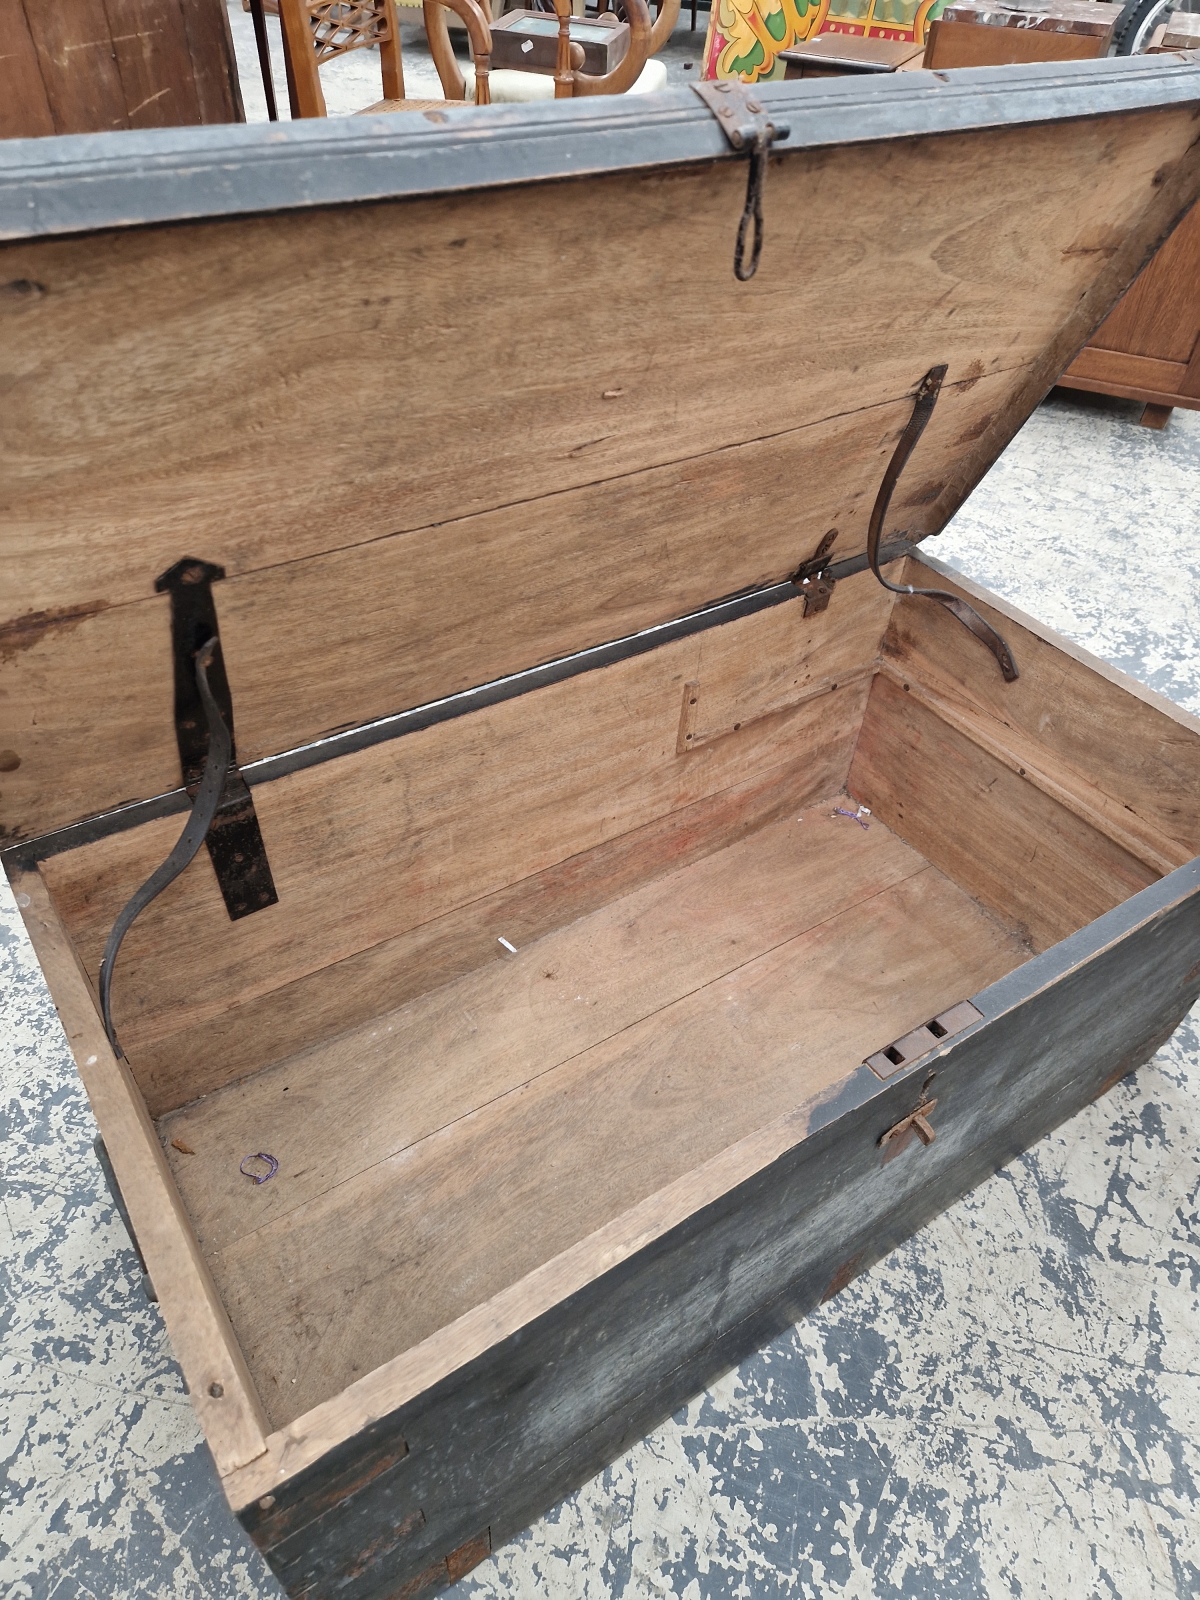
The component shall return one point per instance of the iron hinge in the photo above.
(747, 125)
(234, 841)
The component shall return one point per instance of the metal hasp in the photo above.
(926, 398)
(747, 125)
(904, 1051)
(234, 840)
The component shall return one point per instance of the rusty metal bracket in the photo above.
(813, 579)
(916, 1122)
(903, 1052)
(924, 401)
(746, 123)
(234, 840)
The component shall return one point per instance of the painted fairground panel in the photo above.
(745, 37)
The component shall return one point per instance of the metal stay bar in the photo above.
(364, 735)
(813, 582)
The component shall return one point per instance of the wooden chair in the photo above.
(315, 31)
(569, 79)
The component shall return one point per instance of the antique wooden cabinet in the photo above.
(623, 916)
(978, 33)
(1149, 348)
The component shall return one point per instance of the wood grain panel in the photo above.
(1032, 861)
(1159, 318)
(1127, 391)
(1102, 367)
(420, 1238)
(1024, 757)
(971, 44)
(24, 106)
(404, 1074)
(340, 639)
(78, 67)
(1086, 723)
(214, 65)
(248, 1036)
(370, 845)
(150, 45)
(293, 384)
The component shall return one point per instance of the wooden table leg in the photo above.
(1155, 416)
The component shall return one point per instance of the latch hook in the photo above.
(745, 122)
(759, 152)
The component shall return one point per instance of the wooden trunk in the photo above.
(645, 905)
(981, 33)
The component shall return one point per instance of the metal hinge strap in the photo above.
(204, 808)
(235, 844)
(745, 122)
(926, 398)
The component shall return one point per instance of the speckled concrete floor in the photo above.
(1008, 1405)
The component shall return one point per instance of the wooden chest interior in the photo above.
(554, 965)
(704, 940)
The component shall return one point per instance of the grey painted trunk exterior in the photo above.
(511, 1433)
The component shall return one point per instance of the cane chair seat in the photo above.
(510, 87)
(406, 105)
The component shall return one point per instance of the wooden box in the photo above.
(625, 918)
(986, 33)
(528, 41)
(836, 55)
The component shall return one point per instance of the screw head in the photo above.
(216, 1390)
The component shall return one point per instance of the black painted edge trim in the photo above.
(382, 730)
(79, 183)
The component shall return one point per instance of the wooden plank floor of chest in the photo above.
(609, 969)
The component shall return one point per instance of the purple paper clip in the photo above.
(259, 1155)
(855, 816)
